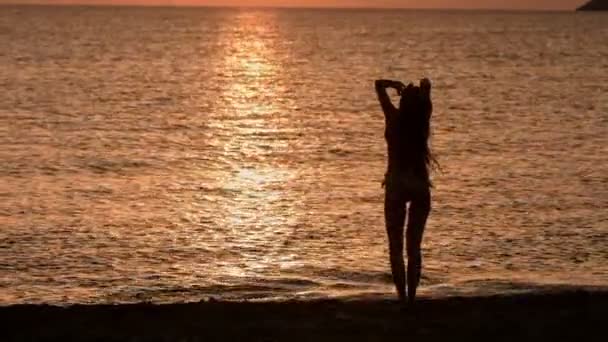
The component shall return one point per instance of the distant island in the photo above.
(594, 5)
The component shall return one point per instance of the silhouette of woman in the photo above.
(407, 178)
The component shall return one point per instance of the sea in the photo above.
(168, 155)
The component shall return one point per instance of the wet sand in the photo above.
(531, 317)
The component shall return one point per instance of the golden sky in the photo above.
(506, 4)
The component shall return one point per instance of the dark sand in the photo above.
(563, 316)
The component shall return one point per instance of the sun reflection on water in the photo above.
(258, 218)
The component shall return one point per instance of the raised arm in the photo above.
(385, 101)
(425, 90)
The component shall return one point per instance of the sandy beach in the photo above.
(538, 317)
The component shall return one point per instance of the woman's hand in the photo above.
(400, 86)
(397, 85)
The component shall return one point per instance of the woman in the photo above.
(407, 178)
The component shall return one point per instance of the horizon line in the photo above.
(498, 9)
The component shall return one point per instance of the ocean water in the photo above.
(158, 154)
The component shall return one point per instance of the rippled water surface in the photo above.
(175, 154)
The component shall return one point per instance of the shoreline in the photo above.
(531, 316)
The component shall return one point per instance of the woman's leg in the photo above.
(394, 216)
(418, 213)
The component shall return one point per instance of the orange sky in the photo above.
(507, 4)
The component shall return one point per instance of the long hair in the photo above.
(415, 110)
